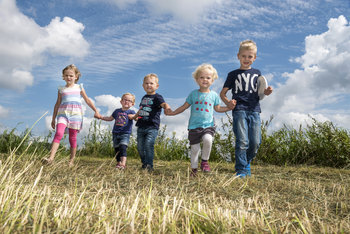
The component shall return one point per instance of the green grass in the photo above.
(93, 197)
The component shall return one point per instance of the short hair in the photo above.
(75, 69)
(130, 94)
(151, 75)
(203, 66)
(248, 45)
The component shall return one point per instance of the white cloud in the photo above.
(24, 44)
(4, 112)
(317, 88)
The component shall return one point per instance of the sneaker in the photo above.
(247, 168)
(205, 167)
(144, 166)
(241, 175)
(149, 168)
(194, 172)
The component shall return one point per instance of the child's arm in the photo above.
(136, 115)
(166, 108)
(180, 109)
(229, 103)
(90, 103)
(55, 110)
(222, 109)
(107, 118)
(131, 116)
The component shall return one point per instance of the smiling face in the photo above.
(70, 77)
(150, 85)
(205, 80)
(246, 58)
(127, 101)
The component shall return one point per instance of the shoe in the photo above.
(241, 175)
(205, 167)
(144, 166)
(194, 172)
(149, 168)
(247, 168)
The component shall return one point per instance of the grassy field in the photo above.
(93, 197)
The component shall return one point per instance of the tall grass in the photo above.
(318, 143)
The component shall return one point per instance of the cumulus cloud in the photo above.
(24, 44)
(320, 84)
(4, 112)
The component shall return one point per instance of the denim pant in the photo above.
(246, 127)
(146, 138)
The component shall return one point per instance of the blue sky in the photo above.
(303, 50)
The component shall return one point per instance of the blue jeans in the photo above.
(247, 129)
(146, 138)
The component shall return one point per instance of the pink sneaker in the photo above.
(205, 167)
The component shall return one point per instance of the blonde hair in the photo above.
(130, 94)
(248, 45)
(202, 67)
(151, 75)
(75, 69)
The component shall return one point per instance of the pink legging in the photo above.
(72, 135)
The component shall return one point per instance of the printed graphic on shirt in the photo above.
(246, 81)
(121, 119)
(145, 107)
(202, 106)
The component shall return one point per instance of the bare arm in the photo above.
(107, 118)
(231, 104)
(221, 109)
(55, 110)
(166, 108)
(131, 116)
(90, 103)
(180, 109)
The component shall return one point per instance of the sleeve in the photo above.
(81, 86)
(160, 99)
(189, 98)
(228, 83)
(216, 99)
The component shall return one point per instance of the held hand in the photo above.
(97, 115)
(232, 104)
(268, 90)
(168, 111)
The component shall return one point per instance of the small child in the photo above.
(122, 128)
(201, 127)
(69, 112)
(246, 115)
(148, 120)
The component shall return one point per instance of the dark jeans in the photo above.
(146, 138)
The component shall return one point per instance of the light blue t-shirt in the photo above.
(202, 108)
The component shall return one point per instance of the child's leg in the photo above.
(56, 141)
(117, 154)
(194, 155)
(73, 145)
(122, 158)
(141, 145)
(240, 129)
(207, 143)
(150, 139)
(254, 135)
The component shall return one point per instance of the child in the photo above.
(122, 128)
(246, 115)
(148, 120)
(201, 127)
(69, 113)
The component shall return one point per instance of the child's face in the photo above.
(205, 79)
(127, 101)
(246, 58)
(150, 85)
(70, 77)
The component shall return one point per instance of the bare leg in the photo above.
(123, 161)
(73, 152)
(53, 151)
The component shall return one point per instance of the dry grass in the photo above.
(93, 197)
